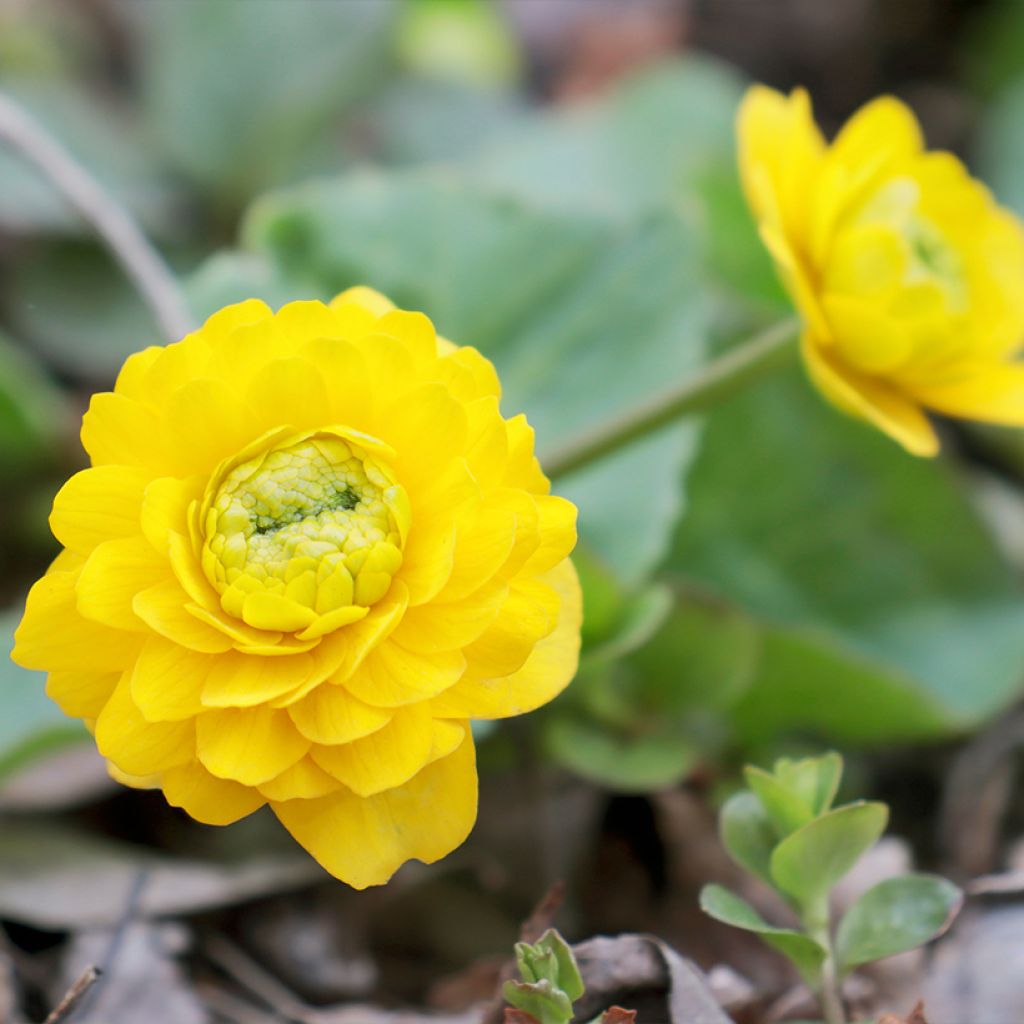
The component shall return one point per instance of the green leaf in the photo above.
(635, 150)
(552, 297)
(872, 646)
(236, 99)
(550, 958)
(640, 616)
(31, 725)
(540, 999)
(92, 322)
(807, 864)
(894, 916)
(748, 835)
(33, 419)
(107, 142)
(814, 779)
(800, 949)
(631, 760)
(786, 809)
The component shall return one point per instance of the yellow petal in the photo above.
(865, 337)
(167, 681)
(557, 525)
(98, 504)
(366, 298)
(483, 545)
(883, 132)
(547, 671)
(425, 820)
(287, 391)
(522, 468)
(164, 609)
(243, 680)
(993, 394)
(529, 614)
(469, 374)
(227, 320)
(872, 400)
(164, 508)
(390, 756)
(203, 423)
(780, 154)
(81, 694)
(248, 745)
(206, 798)
(331, 715)
(392, 675)
(121, 431)
(428, 558)
(113, 574)
(303, 781)
(136, 746)
(53, 635)
(448, 627)
(347, 379)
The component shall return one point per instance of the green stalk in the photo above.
(717, 381)
(818, 923)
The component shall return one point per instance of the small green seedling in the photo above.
(550, 984)
(784, 830)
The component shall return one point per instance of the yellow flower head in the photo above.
(908, 277)
(309, 549)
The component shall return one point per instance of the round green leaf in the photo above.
(748, 835)
(808, 863)
(805, 954)
(894, 916)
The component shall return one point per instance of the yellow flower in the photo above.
(308, 551)
(908, 277)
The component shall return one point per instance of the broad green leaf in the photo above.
(855, 556)
(31, 725)
(108, 143)
(33, 419)
(748, 835)
(894, 916)
(800, 949)
(697, 665)
(1000, 144)
(807, 864)
(552, 958)
(456, 41)
(238, 98)
(540, 999)
(786, 809)
(807, 682)
(640, 616)
(635, 150)
(814, 779)
(92, 322)
(632, 760)
(582, 314)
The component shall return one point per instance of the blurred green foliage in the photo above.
(771, 573)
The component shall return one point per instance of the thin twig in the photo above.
(103, 972)
(140, 261)
(73, 997)
(713, 383)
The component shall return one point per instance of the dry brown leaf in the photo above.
(916, 1016)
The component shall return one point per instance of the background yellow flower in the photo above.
(308, 551)
(907, 275)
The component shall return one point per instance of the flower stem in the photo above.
(818, 922)
(718, 380)
(140, 261)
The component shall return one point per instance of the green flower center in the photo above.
(314, 525)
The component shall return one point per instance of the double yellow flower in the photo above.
(908, 277)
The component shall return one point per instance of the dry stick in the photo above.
(87, 997)
(140, 261)
(63, 1010)
(716, 381)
